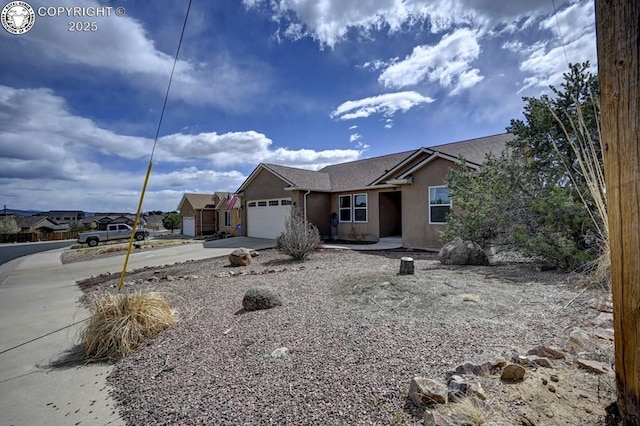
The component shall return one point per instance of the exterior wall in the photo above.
(264, 186)
(353, 231)
(416, 230)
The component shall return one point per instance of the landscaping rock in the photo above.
(604, 320)
(603, 305)
(536, 360)
(512, 373)
(424, 392)
(580, 341)
(431, 418)
(278, 353)
(460, 387)
(595, 366)
(459, 252)
(260, 298)
(240, 257)
(546, 352)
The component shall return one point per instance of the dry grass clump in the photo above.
(121, 323)
(470, 412)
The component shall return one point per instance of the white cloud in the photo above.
(448, 63)
(353, 127)
(65, 159)
(355, 137)
(330, 21)
(545, 62)
(387, 104)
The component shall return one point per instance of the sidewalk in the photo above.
(39, 319)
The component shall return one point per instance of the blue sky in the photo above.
(302, 83)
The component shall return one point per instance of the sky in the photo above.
(301, 83)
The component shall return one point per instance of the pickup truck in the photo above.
(115, 231)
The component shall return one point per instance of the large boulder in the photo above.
(240, 257)
(459, 252)
(257, 298)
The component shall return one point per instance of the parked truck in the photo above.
(114, 231)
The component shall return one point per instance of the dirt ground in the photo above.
(383, 328)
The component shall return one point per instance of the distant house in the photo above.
(205, 214)
(402, 194)
(62, 217)
(100, 221)
(198, 213)
(39, 228)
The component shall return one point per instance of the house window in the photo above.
(273, 203)
(360, 208)
(344, 202)
(439, 204)
(227, 218)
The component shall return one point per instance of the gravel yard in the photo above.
(357, 333)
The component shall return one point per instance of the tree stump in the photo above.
(406, 266)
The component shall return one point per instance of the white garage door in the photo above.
(189, 226)
(265, 218)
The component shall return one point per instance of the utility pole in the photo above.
(618, 36)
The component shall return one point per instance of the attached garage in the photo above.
(189, 226)
(265, 218)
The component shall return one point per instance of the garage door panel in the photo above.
(265, 218)
(189, 226)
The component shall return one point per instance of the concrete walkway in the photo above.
(385, 243)
(41, 381)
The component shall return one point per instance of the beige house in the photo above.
(205, 214)
(401, 194)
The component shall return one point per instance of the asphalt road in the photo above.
(14, 250)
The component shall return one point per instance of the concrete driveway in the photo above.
(41, 380)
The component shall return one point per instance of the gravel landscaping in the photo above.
(356, 334)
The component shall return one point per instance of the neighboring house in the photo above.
(401, 194)
(40, 228)
(204, 214)
(198, 213)
(229, 217)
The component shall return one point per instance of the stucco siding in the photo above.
(417, 232)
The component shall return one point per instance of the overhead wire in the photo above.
(155, 142)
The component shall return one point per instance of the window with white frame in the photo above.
(344, 204)
(439, 204)
(227, 218)
(360, 203)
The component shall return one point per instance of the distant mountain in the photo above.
(14, 212)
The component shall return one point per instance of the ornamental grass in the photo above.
(121, 323)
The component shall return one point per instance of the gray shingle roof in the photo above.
(360, 173)
(301, 178)
(475, 150)
(199, 201)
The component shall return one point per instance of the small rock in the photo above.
(512, 373)
(424, 392)
(604, 320)
(544, 382)
(579, 341)
(538, 360)
(602, 306)
(546, 352)
(260, 298)
(552, 388)
(554, 378)
(432, 418)
(278, 353)
(495, 424)
(604, 334)
(170, 278)
(594, 366)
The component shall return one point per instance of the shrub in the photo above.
(299, 238)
